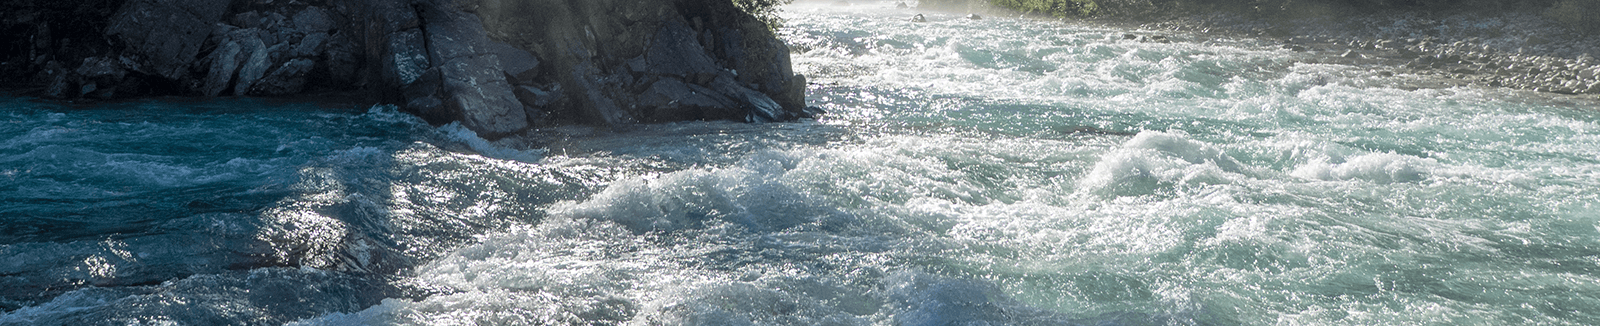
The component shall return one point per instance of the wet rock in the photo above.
(484, 100)
(407, 57)
(813, 111)
(674, 52)
(919, 19)
(290, 78)
(313, 20)
(256, 62)
(670, 99)
(59, 85)
(761, 108)
(101, 68)
(165, 35)
(974, 17)
(422, 97)
(224, 62)
(1385, 44)
(796, 87)
(310, 45)
(280, 52)
(521, 67)
(535, 97)
(590, 90)
(439, 57)
(99, 76)
(901, 5)
(474, 84)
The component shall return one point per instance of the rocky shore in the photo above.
(1518, 47)
(498, 67)
(1519, 50)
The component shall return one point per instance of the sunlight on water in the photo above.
(991, 172)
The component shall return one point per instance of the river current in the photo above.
(969, 172)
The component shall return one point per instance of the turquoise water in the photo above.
(993, 172)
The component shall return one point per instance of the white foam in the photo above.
(1155, 160)
(1380, 168)
(391, 114)
(455, 132)
(358, 155)
(751, 194)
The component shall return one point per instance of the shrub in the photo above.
(1058, 8)
(765, 10)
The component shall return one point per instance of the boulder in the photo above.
(674, 51)
(759, 106)
(602, 107)
(313, 20)
(670, 99)
(289, 78)
(407, 57)
(535, 97)
(476, 89)
(454, 35)
(255, 64)
(473, 78)
(100, 76)
(59, 84)
(521, 67)
(310, 46)
(224, 62)
(166, 35)
(422, 97)
(611, 57)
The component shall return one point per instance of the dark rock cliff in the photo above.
(498, 67)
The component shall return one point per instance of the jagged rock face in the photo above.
(496, 66)
(611, 57)
(166, 35)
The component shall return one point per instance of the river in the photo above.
(1001, 171)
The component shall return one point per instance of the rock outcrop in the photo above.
(499, 67)
(621, 61)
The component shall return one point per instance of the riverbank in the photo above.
(1539, 47)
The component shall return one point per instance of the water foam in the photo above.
(1155, 160)
(1378, 168)
(455, 132)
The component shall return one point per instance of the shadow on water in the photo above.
(196, 211)
(184, 210)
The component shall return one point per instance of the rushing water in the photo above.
(991, 172)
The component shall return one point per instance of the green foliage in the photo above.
(765, 10)
(1058, 8)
